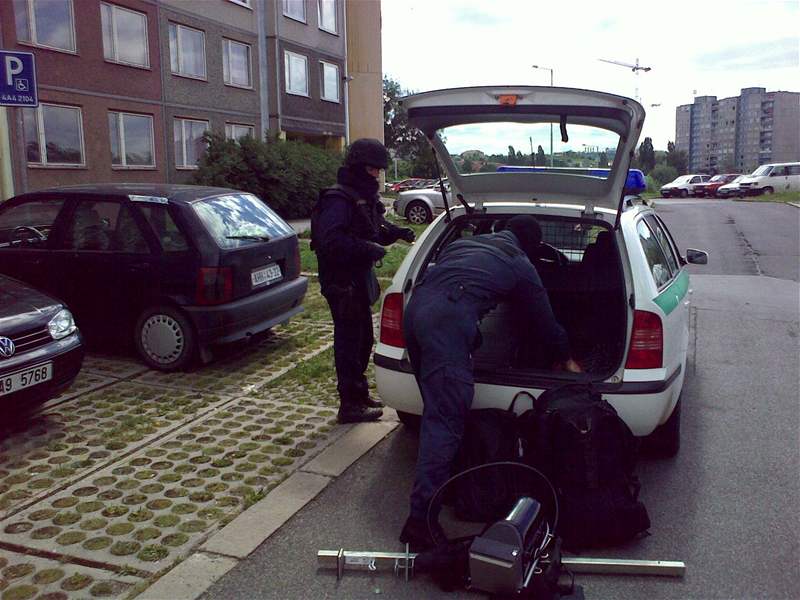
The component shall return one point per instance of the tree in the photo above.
(466, 166)
(512, 156)
(646, 156)
(663, 173)
(541, 159)
(677, 159)
(408, 143)
(602, 161)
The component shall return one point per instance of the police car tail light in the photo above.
(647, 342)
(392, 321)
(214, 285)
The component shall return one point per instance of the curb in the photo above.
(239, 538)
(795, 204)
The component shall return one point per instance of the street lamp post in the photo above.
(551, 124)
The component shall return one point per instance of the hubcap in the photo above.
(417, 214)
(768, 191)
(162, 339)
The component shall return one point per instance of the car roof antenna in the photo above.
(447, 216)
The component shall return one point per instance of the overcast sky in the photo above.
(712, 46)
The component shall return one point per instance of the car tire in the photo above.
(410, 420)
(665, 441)
(684, 193)
(767, 191)
(164, 338)
(418, 213)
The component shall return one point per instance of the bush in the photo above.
(287, 175)
(662, 173)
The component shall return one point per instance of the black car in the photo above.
(175, 268)
(40, 347)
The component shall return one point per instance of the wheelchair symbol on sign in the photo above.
(21, 85)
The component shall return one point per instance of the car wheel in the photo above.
(410, 420)
(418, 213)
(768, 191)
(665, 441)
(684, 193)
(164, 338)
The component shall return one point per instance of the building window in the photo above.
(54, 135)
(296, 70)
(330, 82)
(187, 51)
(295, 9)
(47, 23)
(327, 15)
(236, 64)
(245, 3)
(189, 142)
(124, 35)
(235, 131)
(131, 140)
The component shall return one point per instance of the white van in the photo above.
(772, 178)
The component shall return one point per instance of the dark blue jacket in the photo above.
(343, 228)
(482, 271)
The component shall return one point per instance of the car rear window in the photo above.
(238, 220)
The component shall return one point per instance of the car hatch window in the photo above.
(104, 226)
(658, 263)
(29, 222)
(237, 220)
(663, 239)
(166, 230)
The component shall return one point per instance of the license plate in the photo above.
(265, 275)
(14, 382)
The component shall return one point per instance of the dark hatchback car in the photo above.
(40, 347)
(175, 268)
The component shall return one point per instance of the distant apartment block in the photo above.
(739, 133)
(127, 88)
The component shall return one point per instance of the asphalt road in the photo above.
(727, 505)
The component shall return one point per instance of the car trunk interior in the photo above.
(580, 267)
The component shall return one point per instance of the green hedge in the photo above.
(286, 174)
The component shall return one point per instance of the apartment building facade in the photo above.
(739, 133)
(127, 88)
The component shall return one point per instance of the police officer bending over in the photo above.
(348, 232)
(470, 277)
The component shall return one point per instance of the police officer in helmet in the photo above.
(348, 234)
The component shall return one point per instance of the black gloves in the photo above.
(376, 251)
(407, 235)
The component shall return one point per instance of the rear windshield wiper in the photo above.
(255, 238)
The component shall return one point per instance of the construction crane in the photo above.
(636, 67)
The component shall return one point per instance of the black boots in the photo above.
(371, 402)
(416, 534)
(350, 412)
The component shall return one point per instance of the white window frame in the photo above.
(116, 58)
(178, 73)
(121, 130)
(293, 17)
(40, 138)
(287, 54)
(226, 59)
(229, 130)
(322, 95)
(245, 3)
(183, 121)
(335, 30)
(32, 26)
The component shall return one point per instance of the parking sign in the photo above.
(17, 79)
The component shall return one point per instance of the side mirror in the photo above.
(696, 257)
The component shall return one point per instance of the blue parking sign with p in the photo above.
(17, 79)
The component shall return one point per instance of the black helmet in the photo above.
(527, 231)
(367, 152)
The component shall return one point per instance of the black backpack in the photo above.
(580, 443)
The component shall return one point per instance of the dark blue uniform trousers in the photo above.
(352, 344)
(440, 335)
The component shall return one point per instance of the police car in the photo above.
(617, 281)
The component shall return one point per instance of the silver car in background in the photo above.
(420, 206)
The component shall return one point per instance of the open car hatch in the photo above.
(454, 117)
